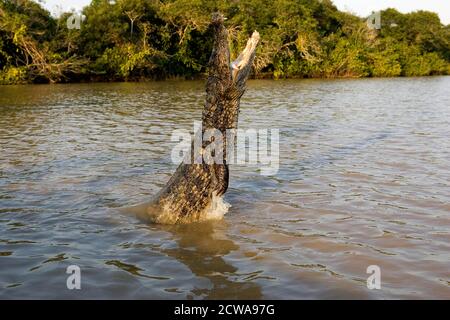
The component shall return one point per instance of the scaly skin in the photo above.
(190, 190)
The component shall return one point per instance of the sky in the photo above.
(362, 8)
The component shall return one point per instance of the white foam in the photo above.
(148, 212)
(216, 209)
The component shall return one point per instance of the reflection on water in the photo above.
(203, 251)
(363, 180)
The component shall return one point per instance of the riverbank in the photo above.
(136, 40)
(267, 76)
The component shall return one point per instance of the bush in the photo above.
(13, 75)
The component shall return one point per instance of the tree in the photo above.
(131, 39)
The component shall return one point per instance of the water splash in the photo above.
(151, 213)
(216, 209)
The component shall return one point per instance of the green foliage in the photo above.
(13, 75)
(424, 64)
(135, 39)
(125, 61)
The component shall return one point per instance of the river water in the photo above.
(364, 179)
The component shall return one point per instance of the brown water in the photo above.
(363, 180)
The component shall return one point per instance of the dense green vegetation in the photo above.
(142, 39)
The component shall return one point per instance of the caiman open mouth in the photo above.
(188, 195)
